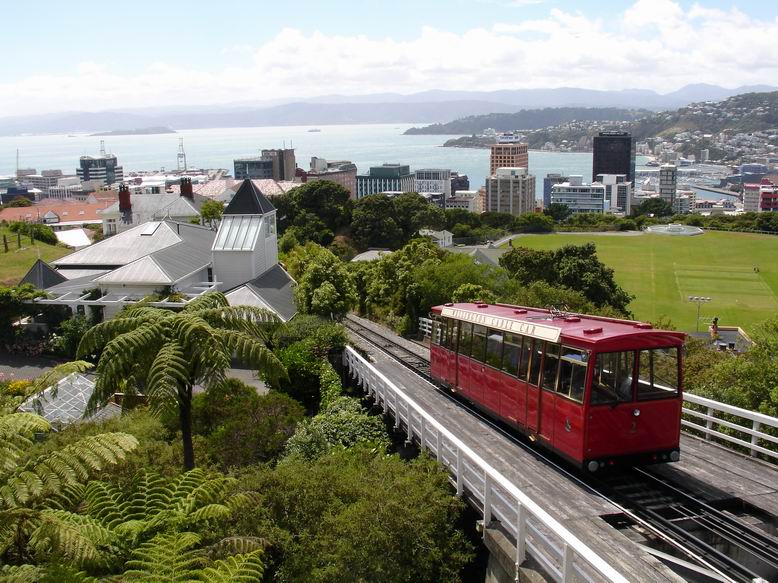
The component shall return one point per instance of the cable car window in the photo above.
(437, 328)
(511, 353)
(444, 339)
(572, 373)
(526, 356)
(465, 338)
(537, 355)
(613, 377)
(478, 351)
(494, 348)
(550, 367)
(451, 335)
(658, 374)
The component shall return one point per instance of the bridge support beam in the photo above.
(502, 567)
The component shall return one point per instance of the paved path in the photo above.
(21, 366)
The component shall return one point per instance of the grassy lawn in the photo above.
(15, 264)
(662, 271)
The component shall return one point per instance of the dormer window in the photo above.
(237, 233)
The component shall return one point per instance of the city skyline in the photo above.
(175, 54)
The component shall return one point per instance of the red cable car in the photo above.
(597, 391)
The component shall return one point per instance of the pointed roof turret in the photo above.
(249, 200)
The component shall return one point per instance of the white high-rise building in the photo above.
(618, 192)
(434, 181)
(510, 190)
(579, 196)
(668, 182)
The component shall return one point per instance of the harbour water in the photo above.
(365, 145)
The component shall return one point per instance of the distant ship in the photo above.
(314, 130)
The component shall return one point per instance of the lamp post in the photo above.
(699, 300)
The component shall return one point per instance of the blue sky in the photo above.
(94, 55)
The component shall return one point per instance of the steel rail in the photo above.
(666, 530)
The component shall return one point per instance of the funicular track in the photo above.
(727, 547)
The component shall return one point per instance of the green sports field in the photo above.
(662, 271)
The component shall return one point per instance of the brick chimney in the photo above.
(186, 188)
(125, 203)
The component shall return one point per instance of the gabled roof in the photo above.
(42, 275)
(249, 200)
(273, 290)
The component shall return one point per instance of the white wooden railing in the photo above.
(746, 423)
(749, 424)
(560, 553)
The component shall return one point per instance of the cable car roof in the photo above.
(554, 326)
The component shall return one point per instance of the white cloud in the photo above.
(655, 44)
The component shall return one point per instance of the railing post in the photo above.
(421, 432)
(709, 424)
(460, 471)
(755, 438)
(487, 502)
(396, 412)
(438, 453)
(521, 535)
(409, 420)
(567, 564)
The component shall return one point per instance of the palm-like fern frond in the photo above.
(246, 568)
(207, 301)
(59, 372)
(167, 557)
(79, 539)
(52, 474)
(254, 353)
(16, 431)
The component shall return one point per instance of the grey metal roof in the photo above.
(249, 200)
(123, 248)
(42, 275)
(69, 405)
(170, 264)
(76, 284)
(148, 206)
(275, 288)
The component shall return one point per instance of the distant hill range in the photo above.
(529, 119)
(749, 112)
(136, 132)
(428, 107)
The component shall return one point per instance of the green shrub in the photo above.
(36, 231)
(329, 385)
(70, 333)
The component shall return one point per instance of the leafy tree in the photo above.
(19, 201)
(287, 242)
(32, 486)
(342, 423)
(359, 515)
(242, 427)
(374, 224)
(35, 230)
(211, 211)
(70, 333)
(471, 292)
(169, 352)
(328, 200)
(413, 212)
(654, 206)
(13, 306)
(498, 220)
(309, 227)
(461, 217)
(575, 267)
(325, 287)
(558, 211)
(533, 223)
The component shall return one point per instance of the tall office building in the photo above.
(550, 180)
(579, 196)
(618, 192)
(277, 164)
(434, 181)
(668, 182)
(614, 153)
(103, 168)
(508, 155)
(510, 190)
(386, 178)
(342, 172)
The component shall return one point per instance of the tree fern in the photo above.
(171, 352)
(246, 568)
(171, 558)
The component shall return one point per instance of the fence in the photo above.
(561, 554)
(710, 421)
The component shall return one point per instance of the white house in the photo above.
(178, 262)
(442, 238)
